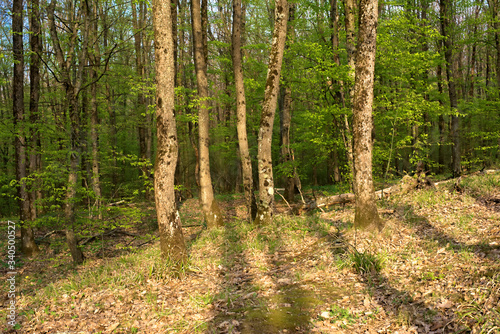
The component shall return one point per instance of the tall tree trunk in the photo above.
(445, 12)
(35, 154)
(241, 111)
(366, 214)
(211, 209)
(171, 238)
(495, 10)
(143, 126)
(28, 245)
(350, 27)
(334, 23)
(94, 116)
(494, 5)
(265, 164)
(286, 119)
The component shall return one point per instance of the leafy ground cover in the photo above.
(435, 268)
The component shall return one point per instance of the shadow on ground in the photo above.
(265, 296)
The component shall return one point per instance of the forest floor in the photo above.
(435, 268)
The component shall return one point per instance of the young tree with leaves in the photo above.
(72, 80)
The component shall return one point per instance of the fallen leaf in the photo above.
(445, 304)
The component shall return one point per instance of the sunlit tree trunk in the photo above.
(28, 245)
(445, 12)
(366, 214)
(211, 209)
(265, 164)
(241, 111)
(171, 238)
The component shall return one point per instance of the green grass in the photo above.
(479, 186)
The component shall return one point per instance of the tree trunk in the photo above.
(286, 119)
(28, 245)
(265, 164)
(35, 155)
(445, 17)
(495, 13)
(211, 209)
(141, 107)
(94, 116)
(171, 238)
(350, 28)
(366, 214)
(246, 162)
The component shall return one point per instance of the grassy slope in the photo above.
(434, 268)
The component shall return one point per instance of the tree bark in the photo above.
(28, 245)
(350, 28)
(35, 154)
(445, 18)
(286, 119)
(142, 110)
(495, 13)
(241, 111)
(171, 238)
(94, 116)
(211, 209)
(366, 214)
(265, 165)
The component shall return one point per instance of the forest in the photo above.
(250, 166)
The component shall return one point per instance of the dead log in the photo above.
(407, 184)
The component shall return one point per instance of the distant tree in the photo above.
(265, 163)
(171, 238)
(71, 77)
(366, 215)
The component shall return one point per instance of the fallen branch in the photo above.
(105, 234)
(406, 184)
